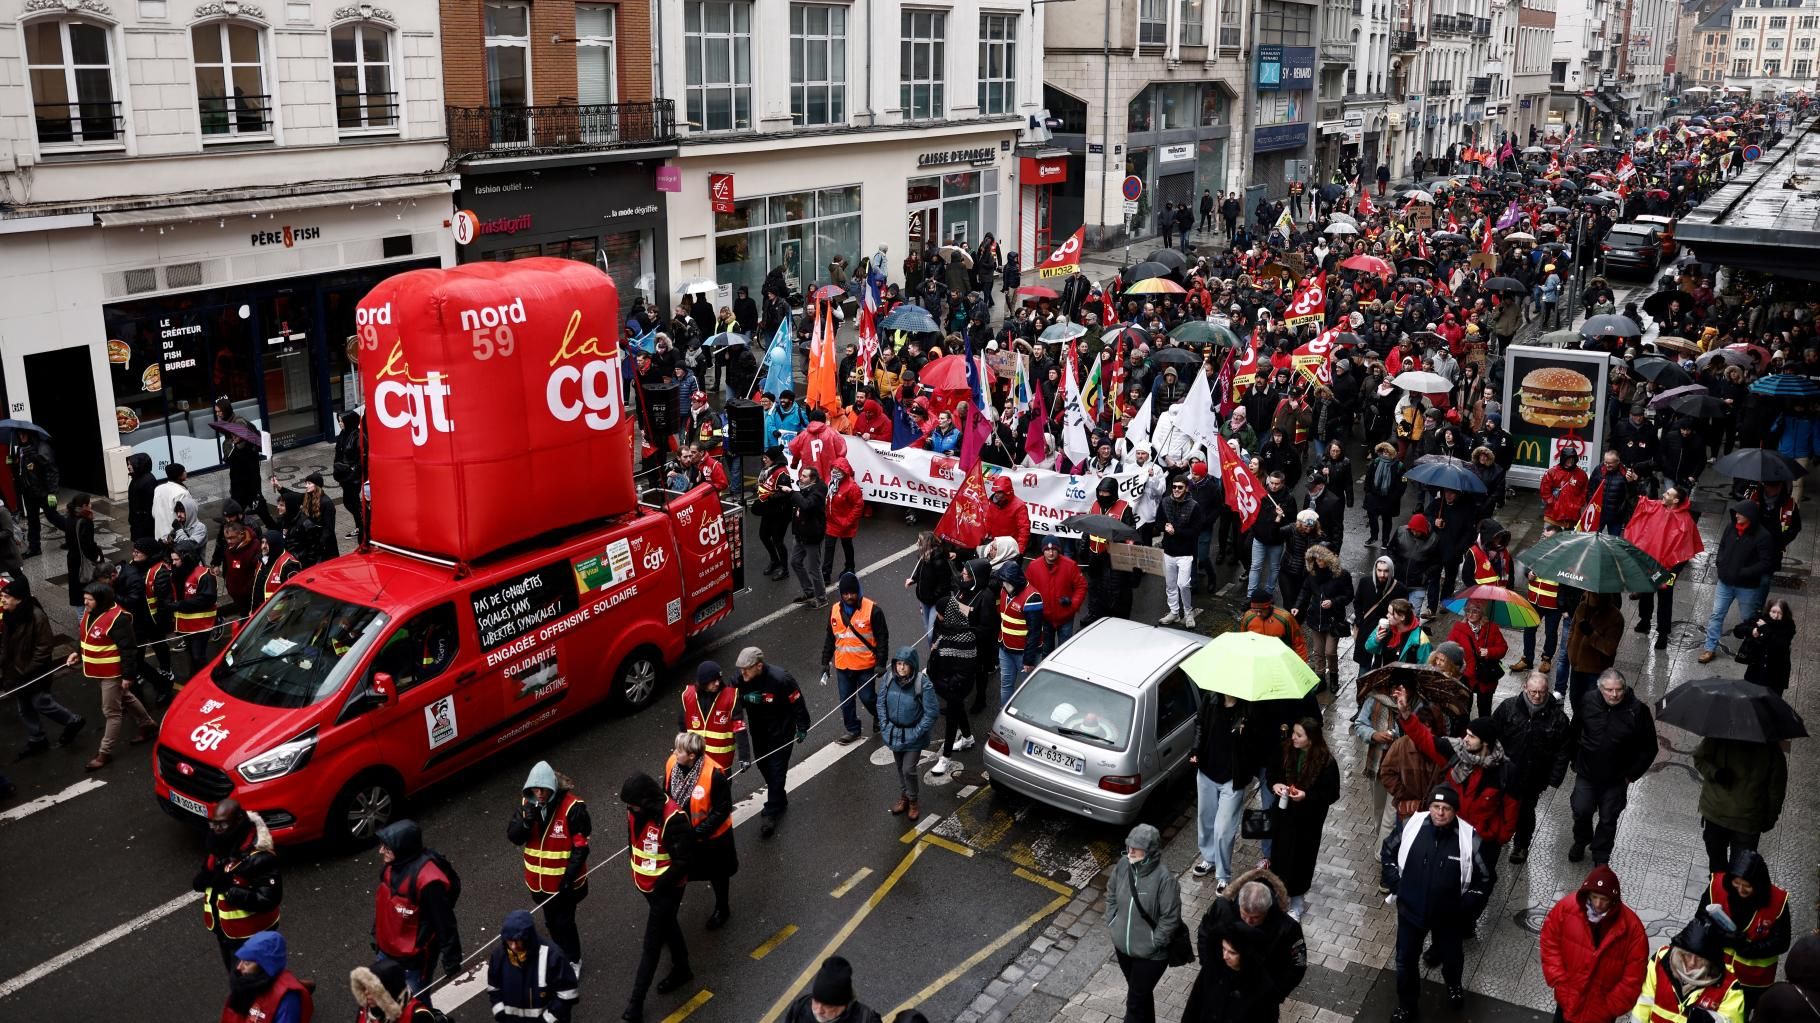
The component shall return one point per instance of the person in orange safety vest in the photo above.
(239, 881)
(696, 783)
(660, 839)
(553, 826)
(853, 653)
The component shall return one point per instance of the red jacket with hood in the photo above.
(1064, 579)
(1594, 981)
(819, 445)
(845, 503)
(1484, 803)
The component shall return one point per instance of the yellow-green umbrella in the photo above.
(1250, 666)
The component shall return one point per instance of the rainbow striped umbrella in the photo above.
(1504, 607)
(1156, 286)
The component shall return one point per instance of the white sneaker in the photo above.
(1188, 621)
(1202, 868)
(964, 742)
(942, 764)
(1169, 619)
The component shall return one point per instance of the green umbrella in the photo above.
(1201, 332)
(1250, 666)
(1595, 562)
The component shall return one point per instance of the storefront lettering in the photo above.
(984, 154)
(631, 211)
(287, 236)
(168, 338)
(502, 187)
(506, 225)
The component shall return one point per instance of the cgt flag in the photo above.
(964, 522)
(1065, 261)
(1310, 305)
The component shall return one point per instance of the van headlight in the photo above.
(280, 760)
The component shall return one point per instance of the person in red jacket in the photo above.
(845, 503)
(1007, 516)
(1063, 588)
(1594, 951)
(819, 445)
(1563, 491)
(1476, 768)
(1485, 648)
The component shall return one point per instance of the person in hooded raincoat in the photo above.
(553, 826)
(528, 977)
(907, 708)
(261, 989)
(1143, 909)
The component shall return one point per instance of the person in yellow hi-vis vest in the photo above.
(109, 655)
(659, 837)
(1686, 981)
(553, 826)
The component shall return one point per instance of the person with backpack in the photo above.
(383, 996)
(907, 708)
(414, 905)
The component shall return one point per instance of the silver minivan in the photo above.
(1101, 722)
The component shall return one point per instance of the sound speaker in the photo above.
(745, 427)
(661, 413)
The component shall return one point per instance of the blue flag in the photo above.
(646, 343)
(903, 431)
(779, 372)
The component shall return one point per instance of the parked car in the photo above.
(1101, 723)
(1632, 247)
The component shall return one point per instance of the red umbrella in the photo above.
(1757, 352)
(828, 292)
(949, 373)
(1038, 291)
(1369, 264)
(1668, 536)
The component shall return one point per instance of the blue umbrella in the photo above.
(726, 339)
(1446, 472)
(912, 318)
(1778, 385)
(12, 425)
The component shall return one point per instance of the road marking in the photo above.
(967, 792)
(1035, 878)
(923, 825)
(951, 846)
(846, 886)
(751, 627)
(840, 937)
(700, 999)
(139, 922)
(26, 809)
(775, 940)
(922, 997)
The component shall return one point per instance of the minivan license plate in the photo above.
(1052, 756)
(185, 802)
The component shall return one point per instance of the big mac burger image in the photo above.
(1556, 397)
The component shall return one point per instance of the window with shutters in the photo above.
(717, 52)
(365, 102)
(923, 52)
(596, 81)
(68, 62)
(818, 64)
(998, 64)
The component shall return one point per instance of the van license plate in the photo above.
(1052, 756)
(185, 802)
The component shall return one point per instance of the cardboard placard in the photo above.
(1483, 261)
(1127, 556)
(1421, 218)
(1295, 264)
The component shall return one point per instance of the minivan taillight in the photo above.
(996, 743)
(1123, 784)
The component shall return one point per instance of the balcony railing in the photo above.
(517, 131)
(1440, 87)
(1481, 26)
(88, 123)
(1479, 86)
(236, 115)
(1404, 41)
(366, 111)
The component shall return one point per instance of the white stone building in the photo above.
(1774, 49)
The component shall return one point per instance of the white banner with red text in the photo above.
(926, 481)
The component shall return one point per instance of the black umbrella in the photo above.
(1729, 708)
(1681, 165)
(1598, 200)
(1557, 211)
(1409, 261)
(1763, 465)
(1144, 271)
(11, 425)
(1611, 325)
(1539, 182)
(1169, 258)
(1567, 185)
(1446, 472)
(1660, 371)
(1698, 406)
(1104, 527)
(1332, 191)
(1174, 357)
(1452, 237)
(1507, 286)
(1657, 305)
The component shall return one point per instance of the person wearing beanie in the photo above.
(774, 511)
(1416, 552)
(831, 998)
(1109, 591)
(276, 566)
(194, 601)
(1264, 618)
(1594, 950)
(960, 645)
(1143, 912)
(1439, 886)
(1020, 608)
(382, 995)
(709, 708)
(553, 826)
(1563, 489)
(1687, 980)
(1476, 771)
(109, 654)
(26, 663)
(853, 653)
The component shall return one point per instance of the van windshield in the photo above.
(297, 650)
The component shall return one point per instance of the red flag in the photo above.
(1366, 209)
(976, 430)
(1313, 360)
(1222, 385)
(1036, 437)
(964, 522)
(1115, 386)
(1109, 311)
(1625, 168)
(1244, 494)
(1453, 223)
(1422, 246)
(1310, 304)
(1245, 371)
(1488, 244)
(1065, 261)
(1589, 518)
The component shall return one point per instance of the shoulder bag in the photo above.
(1181, 948)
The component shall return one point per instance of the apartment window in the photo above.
(1744, 23)
(998, 64)
(596, 56)
(72, 83)
(924, 57)
(1558, 76)
(1774, 44)
(1803, 68)
(364, 98)
(1746, 43)
(1741, 67)
(1771, 68)
(718, 46)
(1153, 22)
(1777, 24)
(1192, 28)
(1808, 21)
(508, 27)
(818, 64)
(1230, 29)
(230, 80)
(1804, 43)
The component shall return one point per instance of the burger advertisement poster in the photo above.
(1553, 399)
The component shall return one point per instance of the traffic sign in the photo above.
(1130, 208)
(1132, 188)
(1752, 152)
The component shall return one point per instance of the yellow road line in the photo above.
(983, 954)
(1053, 885)
(773, 941)
(928, 821)
(700, 999)
(951, 846)
(846, 886)
(802, 981)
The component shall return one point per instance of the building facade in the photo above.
(193, 198)
(1775, 48)
(1709, 54)
(1364, 122)
(1531, 62)
(1446, 85)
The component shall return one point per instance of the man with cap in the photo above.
(1058, 579)
(1264, 618)
(1439, 887)
(830, 998)
(853, 652)
(1636, 440)
(1179, 519)
(1686, 980)
(261, 989)
(1006, 514)
(553, 826)
(1594, 950)
(776, 718)
(527, 977)
(1477, 773)
(1329, 507)
(1503, 446)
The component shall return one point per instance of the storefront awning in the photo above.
(1599, 101)
(273, 204)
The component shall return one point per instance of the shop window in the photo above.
(230, 81)
(596, 75)
(68, 61)
(1178, 105)
(924, 62)
(1192, 29)
(1153, 22)
(818, 64)
(798, 232)
(364, 98)
(998, 64)
(1216, 107)
(717, 52)
(1137, 112)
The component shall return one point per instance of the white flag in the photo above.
(1137, 431)
(1195, 416)
(1074, 420)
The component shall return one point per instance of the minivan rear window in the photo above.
(298, 649)
(1074, 708)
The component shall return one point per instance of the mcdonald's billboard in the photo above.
(1554, 399)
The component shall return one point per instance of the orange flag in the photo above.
(824, 382)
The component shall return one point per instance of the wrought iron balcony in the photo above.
(1479, 86)
(1440, 87)
(1404, 41)
(236, 115)
(522, 131)
(79, 125)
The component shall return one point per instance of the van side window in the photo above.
(420, 649)
(1175, 702)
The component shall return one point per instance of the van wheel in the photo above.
(635, 684)
(366, 805)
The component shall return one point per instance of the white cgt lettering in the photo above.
(422, 407)
(598, 392)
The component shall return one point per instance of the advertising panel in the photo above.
(1553, 398)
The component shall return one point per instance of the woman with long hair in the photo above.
(83, 553)
(1306, 780)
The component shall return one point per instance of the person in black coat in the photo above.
(350, 471)
(1325, 501)
(1232, 986)
(1748, 557)
(1769, 638)
(1321, 609)
(1612, 742)
(139, 523)
(1256, 904)
(1383, 492)
(1535, 728)
(1306, 781)
(1453, 517)
(1437, 892)
(1681, 456)
(82, 554)
(239, 872)
(809, 524)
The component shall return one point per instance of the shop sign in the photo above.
(465, 226)
(1332, 127)
(1047, 170)
(287, 236)
(1355, 118)
(1096, 147)
(1524, 103)
(1286, 68)
(1353, 135)
(669, 179)
(1271, 138)
(506, 225)
(1270, 67)
(172, 338)
(1176, 154)
(720, 192)
(944, 157)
